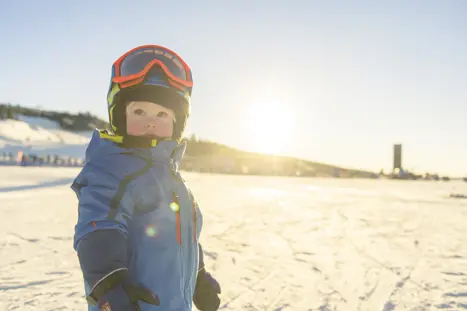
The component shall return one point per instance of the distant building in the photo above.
(397, 158)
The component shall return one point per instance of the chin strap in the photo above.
(135, 141)
(129, 141)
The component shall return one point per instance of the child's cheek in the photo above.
(135, 128)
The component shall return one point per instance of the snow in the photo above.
(40, 122)
(41, 136)
(273, 243)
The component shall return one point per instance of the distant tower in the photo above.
(397, 157)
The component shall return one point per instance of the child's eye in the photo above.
(139, 112)
(162, 114)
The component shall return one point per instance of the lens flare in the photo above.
(151, 231)
(174, 207)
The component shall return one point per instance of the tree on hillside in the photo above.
(10, 114)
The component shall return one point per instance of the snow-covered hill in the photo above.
(41, 136)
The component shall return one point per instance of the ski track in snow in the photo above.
(273, 243)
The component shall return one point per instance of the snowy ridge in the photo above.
(41, 136)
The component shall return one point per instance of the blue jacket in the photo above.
(140, 193)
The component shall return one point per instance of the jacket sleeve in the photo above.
(201, 257)
(101, 239)
(199, 225)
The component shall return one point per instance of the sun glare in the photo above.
(270, 126)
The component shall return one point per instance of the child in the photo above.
(138, 226)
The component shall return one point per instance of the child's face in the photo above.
(149, 119)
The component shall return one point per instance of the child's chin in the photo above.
(152, 136)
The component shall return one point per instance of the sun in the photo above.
(270, 126)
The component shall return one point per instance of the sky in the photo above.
(338, 82)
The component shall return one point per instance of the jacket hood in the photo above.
(165, 150)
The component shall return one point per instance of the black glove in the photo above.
(116, 293)
(206, 292)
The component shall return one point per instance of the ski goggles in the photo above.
(132, 67)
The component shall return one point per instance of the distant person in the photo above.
(137, 235)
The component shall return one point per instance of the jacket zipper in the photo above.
(175, 206)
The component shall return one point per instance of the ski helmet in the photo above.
(156, 84)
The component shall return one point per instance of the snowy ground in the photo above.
(274, 243)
